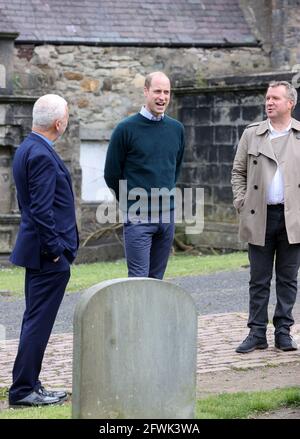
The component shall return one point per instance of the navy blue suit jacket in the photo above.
(46, 201)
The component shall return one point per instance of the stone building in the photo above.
(219, 54)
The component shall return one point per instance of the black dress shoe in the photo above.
(251, 343)
(61, 394)
(285, 342)
(34, 399)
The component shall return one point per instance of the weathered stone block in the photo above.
(225, 174)
(226, 154)
(217, 235)
(223, 134)
(135, 343)
(204, 135)
(73, 76)
(209, 173)
(225, 115)
(5, 240)
(241, 129)
(222, 195)
(90, 85)
(252, 114)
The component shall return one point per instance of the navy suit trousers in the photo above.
(44, 291)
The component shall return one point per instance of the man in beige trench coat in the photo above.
(266, 193)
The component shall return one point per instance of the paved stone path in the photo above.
(218, 336)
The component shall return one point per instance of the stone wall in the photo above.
(214, 119)
(276, 24)
(6, 63)
(15, 123)
(291, 31)
(258, 14)
(104, 84)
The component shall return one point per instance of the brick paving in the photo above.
(218, 336)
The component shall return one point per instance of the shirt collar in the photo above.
(44, 138)
(144, 112)
(285, 131)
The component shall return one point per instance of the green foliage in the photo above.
(201, 81)
(245, 404)
(62, 411)
(86, 275)
(3, 393)
(12, 280)
(16, 80)
(223, 406)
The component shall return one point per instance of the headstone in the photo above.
(2, 333)
(135, 346)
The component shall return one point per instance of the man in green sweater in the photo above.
(143, 162)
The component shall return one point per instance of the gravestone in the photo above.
(135, 346)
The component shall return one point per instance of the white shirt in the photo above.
(275, 194)
(144, 112)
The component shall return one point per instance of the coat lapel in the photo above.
(265, 146)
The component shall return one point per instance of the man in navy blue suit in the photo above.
(46, 245)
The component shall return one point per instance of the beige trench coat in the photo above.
(253, 169)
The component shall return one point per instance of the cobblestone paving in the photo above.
(218, 336)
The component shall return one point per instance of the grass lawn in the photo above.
(223, 406)
(246, 404)
(85, 275)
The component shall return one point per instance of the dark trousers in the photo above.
(287, 261)
(147, 248)
(44, 292)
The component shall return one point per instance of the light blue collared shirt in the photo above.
(50, 143)
(275, 194)
(144, 112)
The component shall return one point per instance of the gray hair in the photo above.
(47, 109)
(291, 92)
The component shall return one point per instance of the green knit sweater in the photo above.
(146, 153)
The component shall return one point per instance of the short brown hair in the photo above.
(149, 77)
